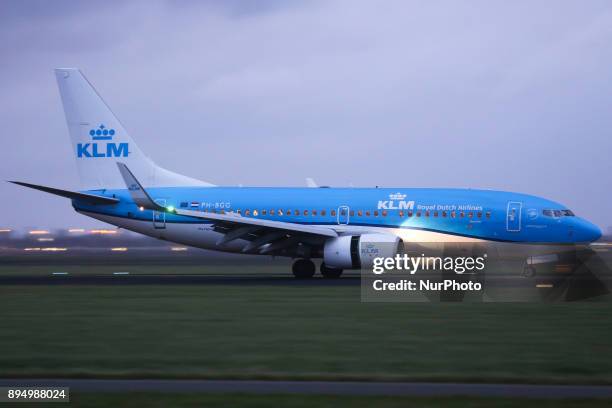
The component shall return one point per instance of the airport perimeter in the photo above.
(180, 316)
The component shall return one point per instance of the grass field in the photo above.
(295, 332)
(154, 400)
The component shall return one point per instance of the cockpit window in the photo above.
(558, 213)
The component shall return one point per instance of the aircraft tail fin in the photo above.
(100, 140)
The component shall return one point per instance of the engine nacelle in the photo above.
(359, 251)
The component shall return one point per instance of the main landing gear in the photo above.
(305, 269)
(330, 273)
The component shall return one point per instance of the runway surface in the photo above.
(127, 279)
(319, 387)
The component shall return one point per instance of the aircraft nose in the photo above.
(588, 232)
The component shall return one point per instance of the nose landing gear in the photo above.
(529, 271)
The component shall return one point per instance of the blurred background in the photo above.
(480, 94)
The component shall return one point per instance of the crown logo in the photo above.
(102, 133)
(397, 196)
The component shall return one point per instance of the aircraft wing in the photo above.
(234, 218)
(267, 236)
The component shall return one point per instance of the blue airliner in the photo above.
(344, 227)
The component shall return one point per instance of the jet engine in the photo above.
(359, 251)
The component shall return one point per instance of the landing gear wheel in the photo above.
(303, 269)
(529, 272)
(330, 273)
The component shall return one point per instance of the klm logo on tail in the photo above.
(102, 149)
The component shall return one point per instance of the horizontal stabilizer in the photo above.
(88, 198)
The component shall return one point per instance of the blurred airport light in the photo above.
(178, 249)
(75, 230)
(5, 230)
(103, 231)
(119, 249)
(38, 232)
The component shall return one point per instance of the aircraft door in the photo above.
(513, 216)
(343, 214)
(159, 217)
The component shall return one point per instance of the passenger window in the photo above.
(384, 213)
(376, 213)
(271, 212)
(305, 212)
(435, 213)
(479, 214)
(470, 214)
(333, 213)
(247, 212)
(444, 214)
(255, 213)
(263, 212)
(401, 213)
(323, 212)
(288, 212)
(314, 212)
(418, 213)
(280, 212)
(427, 213)
(367, 213)
(239, 211)
(359, 213)
(453, 214)
(488, 215)
(461, 214)
(410, 213)
(296, 212)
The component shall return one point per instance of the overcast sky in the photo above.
(483, 94)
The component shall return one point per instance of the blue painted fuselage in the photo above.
(479, 214)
